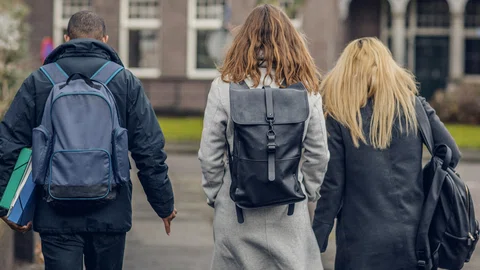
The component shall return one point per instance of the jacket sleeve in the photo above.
(440, 133)
(316, 154)
(16, 132)
(332, 190)
(212, 145)
(146, 143)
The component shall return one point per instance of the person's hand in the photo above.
(168, 220)
(16, 227)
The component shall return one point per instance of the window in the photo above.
(472, 14)
(433, 13)
(422, 18)
(291, 7)
(63, 10)
(206, 41)
(472, 35)
(472, 56)
(139, 39)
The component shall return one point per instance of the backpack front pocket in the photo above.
(41, 151)
(80, 174)
(121, 162)
(453, 253)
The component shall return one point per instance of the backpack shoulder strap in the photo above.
(422, 246)
(239, 86)
(107, 72)
(424, 124)
(54, 73)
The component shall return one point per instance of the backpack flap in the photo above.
(247, 106)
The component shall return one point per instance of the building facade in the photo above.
(174, 45)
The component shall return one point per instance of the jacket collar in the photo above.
(84, 48)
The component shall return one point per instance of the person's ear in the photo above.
(105, 39)
(66, 38)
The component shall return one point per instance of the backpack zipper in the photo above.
(471, 239)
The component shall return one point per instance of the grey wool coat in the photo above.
(375, 195)
(268, 239)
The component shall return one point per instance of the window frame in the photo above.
(194, 25)
(126, 24)
(59, 23)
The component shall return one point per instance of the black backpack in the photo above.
(448, 231)
(268, 135)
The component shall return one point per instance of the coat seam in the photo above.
(210, 182)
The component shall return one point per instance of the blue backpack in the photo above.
(80, 151)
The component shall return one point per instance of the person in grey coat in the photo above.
(373, 186)
(266, 51)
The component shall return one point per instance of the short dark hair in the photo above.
(86, 24)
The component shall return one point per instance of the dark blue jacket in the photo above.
(146, 140)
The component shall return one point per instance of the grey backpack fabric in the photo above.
(268, 134)
(80, 151)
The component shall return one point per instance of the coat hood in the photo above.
(83, 48)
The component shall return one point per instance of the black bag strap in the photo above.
(423, 249)
(424, 124)
(107, 72)
(54, 73)
(271, 136)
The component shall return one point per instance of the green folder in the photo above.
(15, 178)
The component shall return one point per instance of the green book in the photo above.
(16, 178)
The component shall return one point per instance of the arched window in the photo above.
(432, 14)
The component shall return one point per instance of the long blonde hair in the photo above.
(268, 36)
(366, 70)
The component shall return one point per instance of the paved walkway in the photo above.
(190, 244)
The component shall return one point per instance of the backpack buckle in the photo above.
(422, 264)
(271, 147)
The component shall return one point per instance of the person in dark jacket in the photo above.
(98, 235)
(373, 185)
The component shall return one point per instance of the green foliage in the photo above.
(466, 136)
(13, 48)
(291, 8)
(189, 129)
(181, 129)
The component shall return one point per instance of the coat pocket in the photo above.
(121, 162)
(41, 151)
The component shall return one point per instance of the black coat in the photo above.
(376, 196)
(146, 140)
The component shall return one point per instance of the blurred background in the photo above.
(174, 47)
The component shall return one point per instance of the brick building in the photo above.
(171, 44)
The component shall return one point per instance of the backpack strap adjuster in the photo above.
(422, 264)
